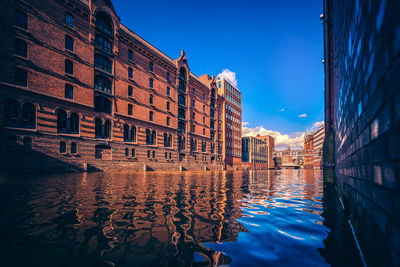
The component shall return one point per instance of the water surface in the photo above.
(256, 218)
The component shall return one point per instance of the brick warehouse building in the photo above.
(79, 91)
(362, 119)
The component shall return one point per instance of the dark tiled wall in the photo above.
(365, 62)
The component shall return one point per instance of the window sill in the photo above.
(20, 57)
(20, 28)
(109, 74)
(131, 142)
(70, 27)
(20, 128)
(69, 134)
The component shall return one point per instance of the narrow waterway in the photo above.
(256, 218)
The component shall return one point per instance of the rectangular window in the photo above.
(69, 20)
(168, 91)
(151, 115)
(166, 155)
(151, 83)
(204, 108)
(168, 121)
(63, 147)
(204, 119)
(204, 97)
(21, 48)
(69, 43)
(69, 91)
(194, 116)
(148, 154)
(130, 109)
(21, 20)
(170, 156)
(151, 66)
(130, 73)
(133, 153)
(154, 154)
(193, 103)
(168, 77)
(69, 67)
(151, 100)
(168, 106)
(130, 54)
(73, 148)
(130, 90)
(21, 77)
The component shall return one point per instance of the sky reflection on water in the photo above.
(258, 218)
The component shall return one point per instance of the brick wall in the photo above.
(362, 63)
(45, 37)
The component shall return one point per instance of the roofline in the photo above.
(135, 35)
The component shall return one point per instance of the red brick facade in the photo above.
(79, 90)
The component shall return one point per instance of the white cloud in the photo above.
(245, 123)
(294, 140)
(302, 115)
(229, 75)
(282, 110)
(316, 125)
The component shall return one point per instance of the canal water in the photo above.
(252, 218)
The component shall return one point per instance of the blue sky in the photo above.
(274, 47)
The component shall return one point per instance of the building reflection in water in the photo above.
(168, 219)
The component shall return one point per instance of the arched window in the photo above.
(11, 111)
(61, 121)
(126, 132)
(104, 23)
(133, 134)
(74, 123)
(107, 129)
(153, 137)
(148, 137)
(103, 63)
(29, 115)
(98, 127)
(182, 74)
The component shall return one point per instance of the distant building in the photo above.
(254, 151)
(312, 150)
(289, 159)
(270, 142)
(231, 122)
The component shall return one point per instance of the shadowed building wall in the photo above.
(362, 112)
